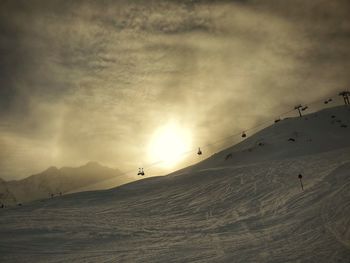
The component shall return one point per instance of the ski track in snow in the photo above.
(248, 213)
(267, 218)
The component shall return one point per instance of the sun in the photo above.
(168, 145)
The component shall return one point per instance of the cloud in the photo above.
(92, 80)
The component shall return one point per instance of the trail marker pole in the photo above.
(301, 183)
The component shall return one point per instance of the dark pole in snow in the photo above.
(301, 183)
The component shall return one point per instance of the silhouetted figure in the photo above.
(291, 140)
(52, 195)
(19, 204)
(244, 135)
(199, 151)
(344, 126)
(301, 183)
(60, 193)
(277, 120)
(2, 206)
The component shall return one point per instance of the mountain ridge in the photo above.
(57, 181)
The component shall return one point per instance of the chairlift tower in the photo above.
(298, 107)
(345, 95)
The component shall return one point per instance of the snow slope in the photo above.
(216, 211)
(314, 133)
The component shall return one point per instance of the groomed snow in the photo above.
(248, 208)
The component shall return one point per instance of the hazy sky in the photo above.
(93, 80)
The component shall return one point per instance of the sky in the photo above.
(95, 80)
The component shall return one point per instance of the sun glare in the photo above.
(168, 145)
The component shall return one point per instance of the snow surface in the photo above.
(248, 208)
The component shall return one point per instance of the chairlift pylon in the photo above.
(199, 151)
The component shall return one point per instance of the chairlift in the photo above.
(244, 135)
(199, 151)
(141, 172)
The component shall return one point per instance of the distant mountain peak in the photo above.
(51, 169)
(93, 164)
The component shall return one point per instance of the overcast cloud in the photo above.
(92, 80)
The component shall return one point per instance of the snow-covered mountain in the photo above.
(244, 204)
(58, 181)
(318, 132)
(5, 193)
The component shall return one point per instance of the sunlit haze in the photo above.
(175, 131)
(169, 144)
(97, 80)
